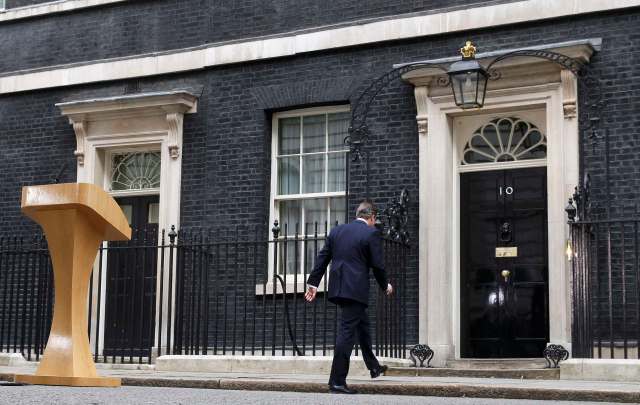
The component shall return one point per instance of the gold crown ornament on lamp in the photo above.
(468, 51)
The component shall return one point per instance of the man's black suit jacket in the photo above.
(352, 249)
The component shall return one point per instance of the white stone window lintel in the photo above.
(113, 117)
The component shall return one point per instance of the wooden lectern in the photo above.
(76, 218)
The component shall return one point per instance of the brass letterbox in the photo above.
(511, 251)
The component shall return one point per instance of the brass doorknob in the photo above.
(505, 274)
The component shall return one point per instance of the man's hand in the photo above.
(389, 290)
(310, 295)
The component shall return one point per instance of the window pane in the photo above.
(338, 130)
(289, 175)
(293, 256)
(310, 228)
(315, 211)
(153, 213)
(491, 135)
(311, 245)
(290, 216)
(337, 211)
(289, 136)
(336, 180)
(313, 133)
(505, 140)
(135, 171)
(312, 248)
(128, 212)
(313, 172)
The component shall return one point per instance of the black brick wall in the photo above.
(156, 25)
(227, 143)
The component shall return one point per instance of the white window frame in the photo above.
(3, 5)
(534, 117)
(524, 163)
(274, 198)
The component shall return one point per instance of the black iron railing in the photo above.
(605, 258)
(26, 295)
(229, 301)
(195, 292)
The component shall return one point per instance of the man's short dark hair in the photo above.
(366, 210)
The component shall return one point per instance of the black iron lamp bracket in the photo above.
(574, 65)
(579, 205)
(392, 221)
(358, 130)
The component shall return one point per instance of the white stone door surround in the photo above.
(145, 122)
(528, 87)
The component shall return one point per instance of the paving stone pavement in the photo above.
(582, 391)
(158, 395)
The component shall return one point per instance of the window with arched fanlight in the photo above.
(135, 171)
(507, 139)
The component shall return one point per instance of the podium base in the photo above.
(67, 381)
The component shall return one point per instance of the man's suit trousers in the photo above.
(352, 322)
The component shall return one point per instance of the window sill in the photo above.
(292, 288)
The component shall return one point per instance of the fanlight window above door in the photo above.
(135, 171)
(505, 140)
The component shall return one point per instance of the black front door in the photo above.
(504, 273)
(131, 282)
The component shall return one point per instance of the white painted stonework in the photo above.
(147, 122)
(52, 7)
(536, 90)
(300, 42)
(12, 359)
(265, 364)
(600, 370)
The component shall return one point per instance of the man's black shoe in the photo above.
(341, 389)
(379, 371)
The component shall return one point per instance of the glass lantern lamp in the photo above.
(468, 79)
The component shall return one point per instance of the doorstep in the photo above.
(534, 369)
(518, 373)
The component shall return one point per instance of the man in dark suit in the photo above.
(352, 249)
